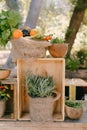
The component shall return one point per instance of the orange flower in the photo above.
(47, 38)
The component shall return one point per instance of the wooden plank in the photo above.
(75, 81)
(21, 125)
(9, 81)
(53, 67)
(72, 92)
(80, 73)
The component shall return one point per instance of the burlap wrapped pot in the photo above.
(27, 48)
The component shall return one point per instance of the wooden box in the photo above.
(11, 103)
(54, 67)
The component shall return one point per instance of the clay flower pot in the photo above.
(58, 50)
(73, 110)
(4, 73)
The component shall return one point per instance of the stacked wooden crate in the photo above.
(54, 67)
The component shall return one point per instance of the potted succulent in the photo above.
(42, 93)
(4, 96)
(73, 109)
(58, 48)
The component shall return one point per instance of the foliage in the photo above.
(9, 20)
(79, 4)
(39, 86)
(78, 60)
(82, 56)
(72, 63)
(2, 68)
(73, 104)
(4, 95)
(57, 40)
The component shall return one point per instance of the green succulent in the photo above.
(57, 41)
(73, 104)
(39, 86)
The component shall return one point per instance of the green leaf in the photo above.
(9, 20)
(13, 19)
(5, 34)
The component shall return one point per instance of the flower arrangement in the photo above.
(4, 95)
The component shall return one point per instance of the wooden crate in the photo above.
(11, 104)
(54, 67)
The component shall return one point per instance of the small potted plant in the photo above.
(58, 48)
(4, 96)
(73, 109)
(42, 93)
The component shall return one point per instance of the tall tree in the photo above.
(75, 22)
(33, 13)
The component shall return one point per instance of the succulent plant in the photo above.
(57, 41)
(39, 86)
(75, 104)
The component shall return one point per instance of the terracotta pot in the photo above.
(2, 108)
(58, 50)
(4, 73)
(73, 113)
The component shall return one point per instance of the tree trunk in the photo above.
(75, 23)
(33, 13)
(12, 4)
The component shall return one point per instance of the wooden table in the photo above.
(73, 83)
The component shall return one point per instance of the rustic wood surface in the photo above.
(21, 125)
(80, 73)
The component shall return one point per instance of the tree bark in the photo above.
(74, 25)
(33, 13)
(12, 4)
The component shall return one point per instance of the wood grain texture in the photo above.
(42, 126)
